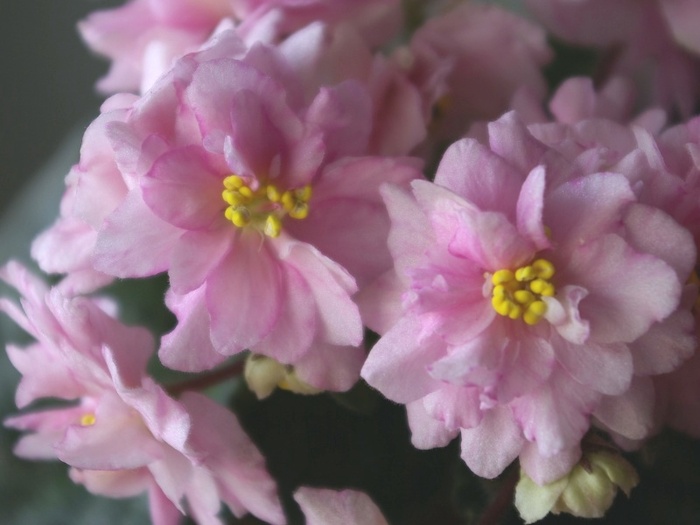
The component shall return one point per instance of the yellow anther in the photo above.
(288, 200)
(273, 194)
(239, 216)
(233, 197)
(542, 287)
(515, 311)
(499, 291)
(501, 305)
(273, 226)
(534, 313)
(88, 420)
(246, 192)
(233, 182)
(502, 276)
(519, 294)
(300, 211)
(303, 194)
(524, 296)
(526, 273)
(543, 269)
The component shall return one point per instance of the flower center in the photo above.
(518, 294)
(264, 207)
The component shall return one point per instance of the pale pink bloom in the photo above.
(259, 208)
(646, 41)
(333, 507)
(519, 369)
(124, 434)
(469, 61)
(144, 37)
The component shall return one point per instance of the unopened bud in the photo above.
(586, 492)
(264, 374)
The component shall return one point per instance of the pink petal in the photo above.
(298, 322)
(196, 254)
(605, 368)
(188, 346)
(543, 470)
(330, 507)
(529, 209)
(628, 291)
(584, 208)
(331, 288)
(650, 230)
(331, 367)
(490, 447)
(397, 364)
(184, 190)
(665, 345)
(476, 174)
(426, 431)
(556, 416)
(133, 241)
(455, 407)
(243, 295)
(630, 414)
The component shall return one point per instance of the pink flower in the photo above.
(521, 283)
(646, 39)
(125, 435)
(331, 507)
(258, 206)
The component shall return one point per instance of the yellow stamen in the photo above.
(87, 420)
(264, 207)
(526, 273)
(233, 182)
(518, 294)
(273, 226)
(534, 313)
(543, 269)
(502, 276)
(273, 194)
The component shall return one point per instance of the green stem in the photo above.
(204, 381)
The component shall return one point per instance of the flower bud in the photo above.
(587, 491)
(264, 374)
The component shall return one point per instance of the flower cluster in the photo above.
(313, 176)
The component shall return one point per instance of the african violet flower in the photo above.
(521, 282)
(256, 203)
(124, 435)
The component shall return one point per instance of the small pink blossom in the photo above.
(465, 343)
(124, 435)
